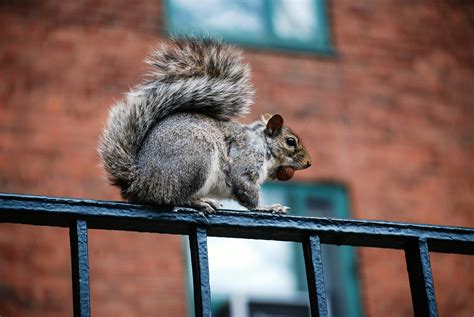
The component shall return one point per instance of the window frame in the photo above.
(296, 194)
(323, 45)
(338, 194)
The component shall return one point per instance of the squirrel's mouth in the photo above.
(284, 173)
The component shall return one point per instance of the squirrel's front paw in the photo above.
(275, 208)
(279, 209)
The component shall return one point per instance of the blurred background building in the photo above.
(381, 92)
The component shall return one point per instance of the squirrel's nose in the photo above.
(308, 164)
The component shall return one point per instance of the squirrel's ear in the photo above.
(274, 125)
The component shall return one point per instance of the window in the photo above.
(261, 277)
(300, 25)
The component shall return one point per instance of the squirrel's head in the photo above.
(285, 147)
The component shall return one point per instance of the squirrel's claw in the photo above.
(206, 205)
(214, 204)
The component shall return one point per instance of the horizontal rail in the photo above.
(63, 212)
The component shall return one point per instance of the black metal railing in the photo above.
(80, 215)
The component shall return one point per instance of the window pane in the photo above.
(295, 19)
(253, 267)
(219, 16)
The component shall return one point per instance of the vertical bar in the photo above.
(200, 264)
(315, 276)
(80, 268)
(417, 257)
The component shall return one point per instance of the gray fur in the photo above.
(173, 141)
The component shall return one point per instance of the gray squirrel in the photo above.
(174, 139)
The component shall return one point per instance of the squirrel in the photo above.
(174, 139)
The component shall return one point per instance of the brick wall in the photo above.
(64, 64)
(390, 117)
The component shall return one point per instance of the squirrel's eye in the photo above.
(291, 141)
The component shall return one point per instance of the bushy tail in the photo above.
(190, 75)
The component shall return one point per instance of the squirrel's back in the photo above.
(182, 155)
(189, 76)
